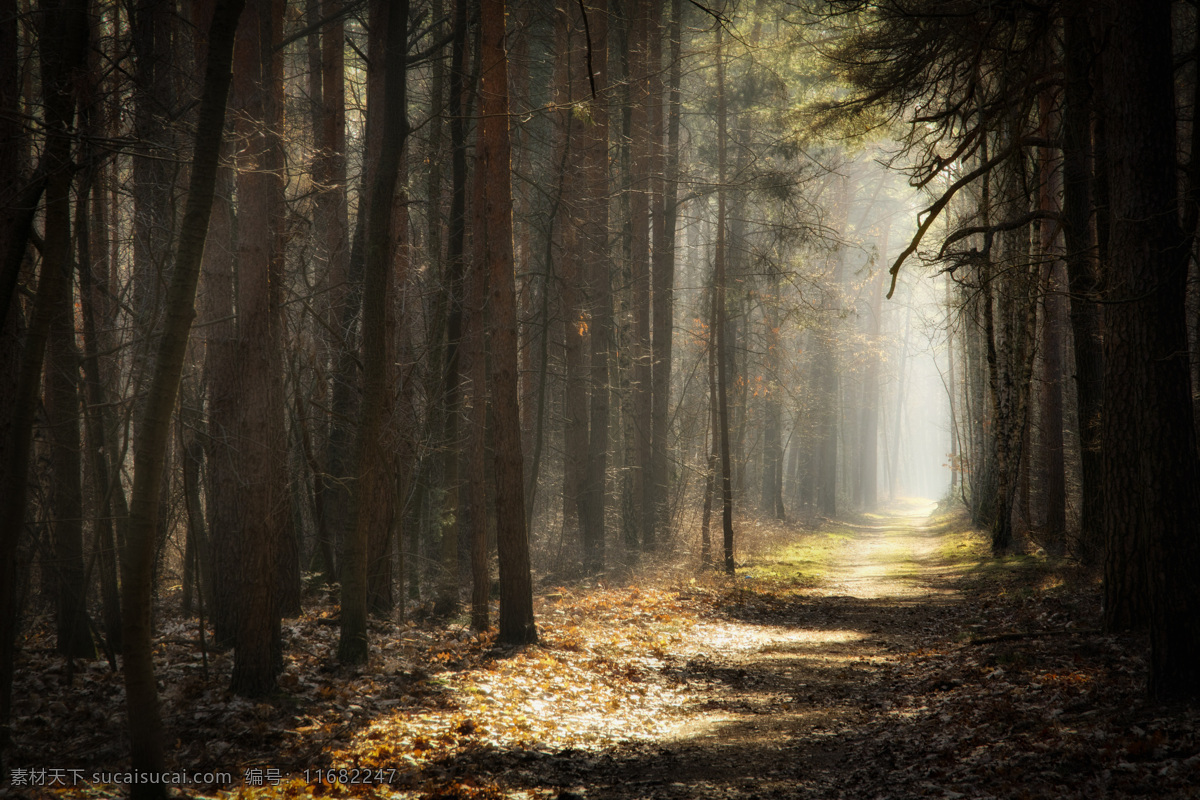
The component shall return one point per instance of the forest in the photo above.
(599, 398)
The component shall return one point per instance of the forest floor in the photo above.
(887, 657)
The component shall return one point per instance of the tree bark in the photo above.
(599, 295)
(657, 517)
(264, 524)
(1052, 480)
(719, 315)
(64, 43)
(377, 276)
(494, 218)
(141, 693)
(1151, 470)
(1085, 314)
(639, 215)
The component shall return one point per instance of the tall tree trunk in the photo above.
(141, 693)
(1052, 480)
(719, 315)
(60, 402)
(599, 305)
(455, 266)
(264, 524)
(216, 327)
(476, 395)
(656, 517)
(714, 433)
(868, 459)
(639, 266)
(377, 275)
(571, 85)
(1081, 275)
(1151, 506)
(96, 307)
(494, 225)
(64, 42)
(331, 222)
(665, 167)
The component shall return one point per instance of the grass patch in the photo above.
(805, 562)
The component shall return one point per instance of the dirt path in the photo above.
(775, 688)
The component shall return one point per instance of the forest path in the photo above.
(893, 553)
(779, 689)
(802, 652)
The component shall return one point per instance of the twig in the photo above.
(1019, 635)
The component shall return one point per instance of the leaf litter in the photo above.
(915, 667)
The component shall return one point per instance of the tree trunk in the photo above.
(599, 305)
(452, 406)
(571, 87)
(1081, 276)
(332, 245)
(494, 225)
(64, 43)
(377, 275)
(639, 267)
(1052, 480)
(868, 459)
(60, 402)
(1151, 508)
(657, 516)
(257, 457)
(141, 693)
(719, 316)
(95, 305)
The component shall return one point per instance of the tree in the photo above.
(141, 692)
(494, 227)
(265, 540)
(377, 278)
(1081, 267)
(665, 195)
(65, 27)
(599, 290)
(719, 314)
(1151, 471)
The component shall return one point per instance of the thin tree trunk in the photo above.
(93, 277)
(1052, 480)
(571, 84)
(666, 199)
(595, 231)
(639, 215)
(475, 352)
(869, 433)
(1081, 276)
(719, 316)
